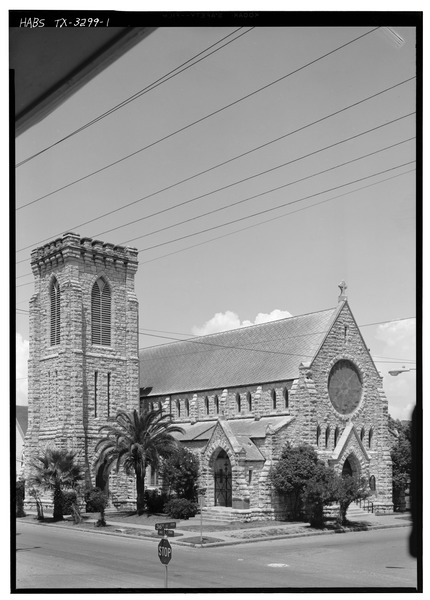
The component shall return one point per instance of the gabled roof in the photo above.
(268, 352)
(241, 428)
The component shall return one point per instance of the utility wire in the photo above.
(199, 341)
(271, 209)
(273, 218)
(168, 136)
(195, 175)
(263, 222)
(230, 185)
(145, 90)
(155, 231)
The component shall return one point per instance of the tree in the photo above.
(294, 469)
(136, 441)
(180, 473)
(401, 456)
(56, 470)
(349, 489)
(319, 491)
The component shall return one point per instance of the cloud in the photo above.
(21, 370)
(398, 340)
(230, 320)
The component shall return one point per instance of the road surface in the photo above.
(56, 558)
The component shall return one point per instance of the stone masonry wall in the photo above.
(75, 386)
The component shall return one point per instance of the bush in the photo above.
(180, 473)
(154, 501)
(95, 500)
(180, 508)
(69, 498)
(20, 495)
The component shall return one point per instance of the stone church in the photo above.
(240, 395)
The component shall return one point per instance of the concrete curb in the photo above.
(228, 542)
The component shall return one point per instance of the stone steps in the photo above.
(223, 513)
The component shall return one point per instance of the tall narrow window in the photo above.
(285, 394)
(362, 434)
(238, 403)
(370, 438)
(327, 436)
(95, 393)
(249, 399)
(187, 407)
(336, 436)
(101, 313)
(318, 435)
(54, 293)
(178, 407)
(273, 396)
(108, 394)
(206, 405)
(216, 401)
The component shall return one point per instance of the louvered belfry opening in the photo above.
(55, 313)
(101, 313)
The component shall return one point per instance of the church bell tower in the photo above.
(83, 363)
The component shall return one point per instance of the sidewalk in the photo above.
(187, 533)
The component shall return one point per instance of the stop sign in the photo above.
(164, 551)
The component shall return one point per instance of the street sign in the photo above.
(169, 532)
(171, 525)
(164, 551)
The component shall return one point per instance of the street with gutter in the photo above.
(57, 558)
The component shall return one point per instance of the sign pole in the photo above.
(165, 581)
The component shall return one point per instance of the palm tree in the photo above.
(56, 470)
(136, 441)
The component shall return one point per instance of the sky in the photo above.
(326, 197)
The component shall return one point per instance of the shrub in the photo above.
(69, 498)
(154, 501)
(180, 508)
(95, 500)
(20, 495)
(180, 473)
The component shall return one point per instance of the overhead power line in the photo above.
(233, 204)
(153, 232)
(145, 90)
(205, 171)
(292, 212)
(267, 220)
(199, 341)
(170, 135)
(271, 209)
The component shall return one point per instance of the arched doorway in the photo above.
(351, 467)
(222, 480)
(102, 479)
(347, 468)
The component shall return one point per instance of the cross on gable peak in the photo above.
(342, 286)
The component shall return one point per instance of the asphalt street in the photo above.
(55, 558)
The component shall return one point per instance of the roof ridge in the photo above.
(236, 329)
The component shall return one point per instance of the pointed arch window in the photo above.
(327, 436)
(101, 306)
(336, 436)
(206, 405)
(238, 402)
(178, 407)
(362, 434)
(187, 407)
(273, 396)
(370, 438)
(318, 435)
(249, 400)
(54, 294)
(285, 394)
(216, 401)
